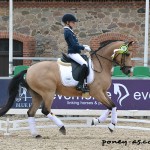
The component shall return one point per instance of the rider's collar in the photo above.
(123, 49)
(66, 27)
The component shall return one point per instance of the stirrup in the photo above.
(83, 89)
(85, 92)
(86, 88)
(79, 87)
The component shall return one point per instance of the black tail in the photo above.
(13, 91)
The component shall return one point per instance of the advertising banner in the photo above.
(128, 94)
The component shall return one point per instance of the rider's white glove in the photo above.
(86, 47)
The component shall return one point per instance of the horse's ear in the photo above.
(129, 43)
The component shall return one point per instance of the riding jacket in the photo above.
(72, 41)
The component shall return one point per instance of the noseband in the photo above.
(122, 64)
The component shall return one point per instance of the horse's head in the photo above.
(122, 57)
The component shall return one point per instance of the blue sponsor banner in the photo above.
(126, 94)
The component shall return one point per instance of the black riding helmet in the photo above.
(69, 17)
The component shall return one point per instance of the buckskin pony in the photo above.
(43, 81)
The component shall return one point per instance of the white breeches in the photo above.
(77, 57)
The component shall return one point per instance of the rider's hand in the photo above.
(86, 47)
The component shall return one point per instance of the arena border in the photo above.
(83, 112)
(8, 127)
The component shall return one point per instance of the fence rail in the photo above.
(7, 127)
(54, 59)
(35, 58)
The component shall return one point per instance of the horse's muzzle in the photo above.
(126, 69)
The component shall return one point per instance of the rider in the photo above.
(74, 49)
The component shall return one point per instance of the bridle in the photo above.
(123, 60)
(113, 60)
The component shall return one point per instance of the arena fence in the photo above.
(8, 127)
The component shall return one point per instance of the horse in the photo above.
(43, 81)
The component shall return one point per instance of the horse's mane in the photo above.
(104, 43)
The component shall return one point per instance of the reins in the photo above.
(95, 53)
(123, 50)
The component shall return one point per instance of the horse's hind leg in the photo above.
(36, 101)
(48, 99)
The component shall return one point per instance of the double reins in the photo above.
(95, 53)
(122, 65)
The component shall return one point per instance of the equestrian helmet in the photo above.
(69, 17)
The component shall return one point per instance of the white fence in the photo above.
(83, 112)
(8, 127)
(54, 59)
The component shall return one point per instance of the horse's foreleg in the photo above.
(113, 119)
(102, 118)
(36, 101)
(48, 99)
(113, 115)
(103, 99)
(106, 101)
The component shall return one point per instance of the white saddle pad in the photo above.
(66, 74)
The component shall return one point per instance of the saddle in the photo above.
(76, 68)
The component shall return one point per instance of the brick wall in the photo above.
(73, 3)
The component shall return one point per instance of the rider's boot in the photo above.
(83, 74)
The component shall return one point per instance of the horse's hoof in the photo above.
(63, 130)
(37, 136)
(95, 121)
(111, 127)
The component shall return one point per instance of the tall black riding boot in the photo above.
(82, 76)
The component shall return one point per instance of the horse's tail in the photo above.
(13, 91)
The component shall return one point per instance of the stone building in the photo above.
(38, 30)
